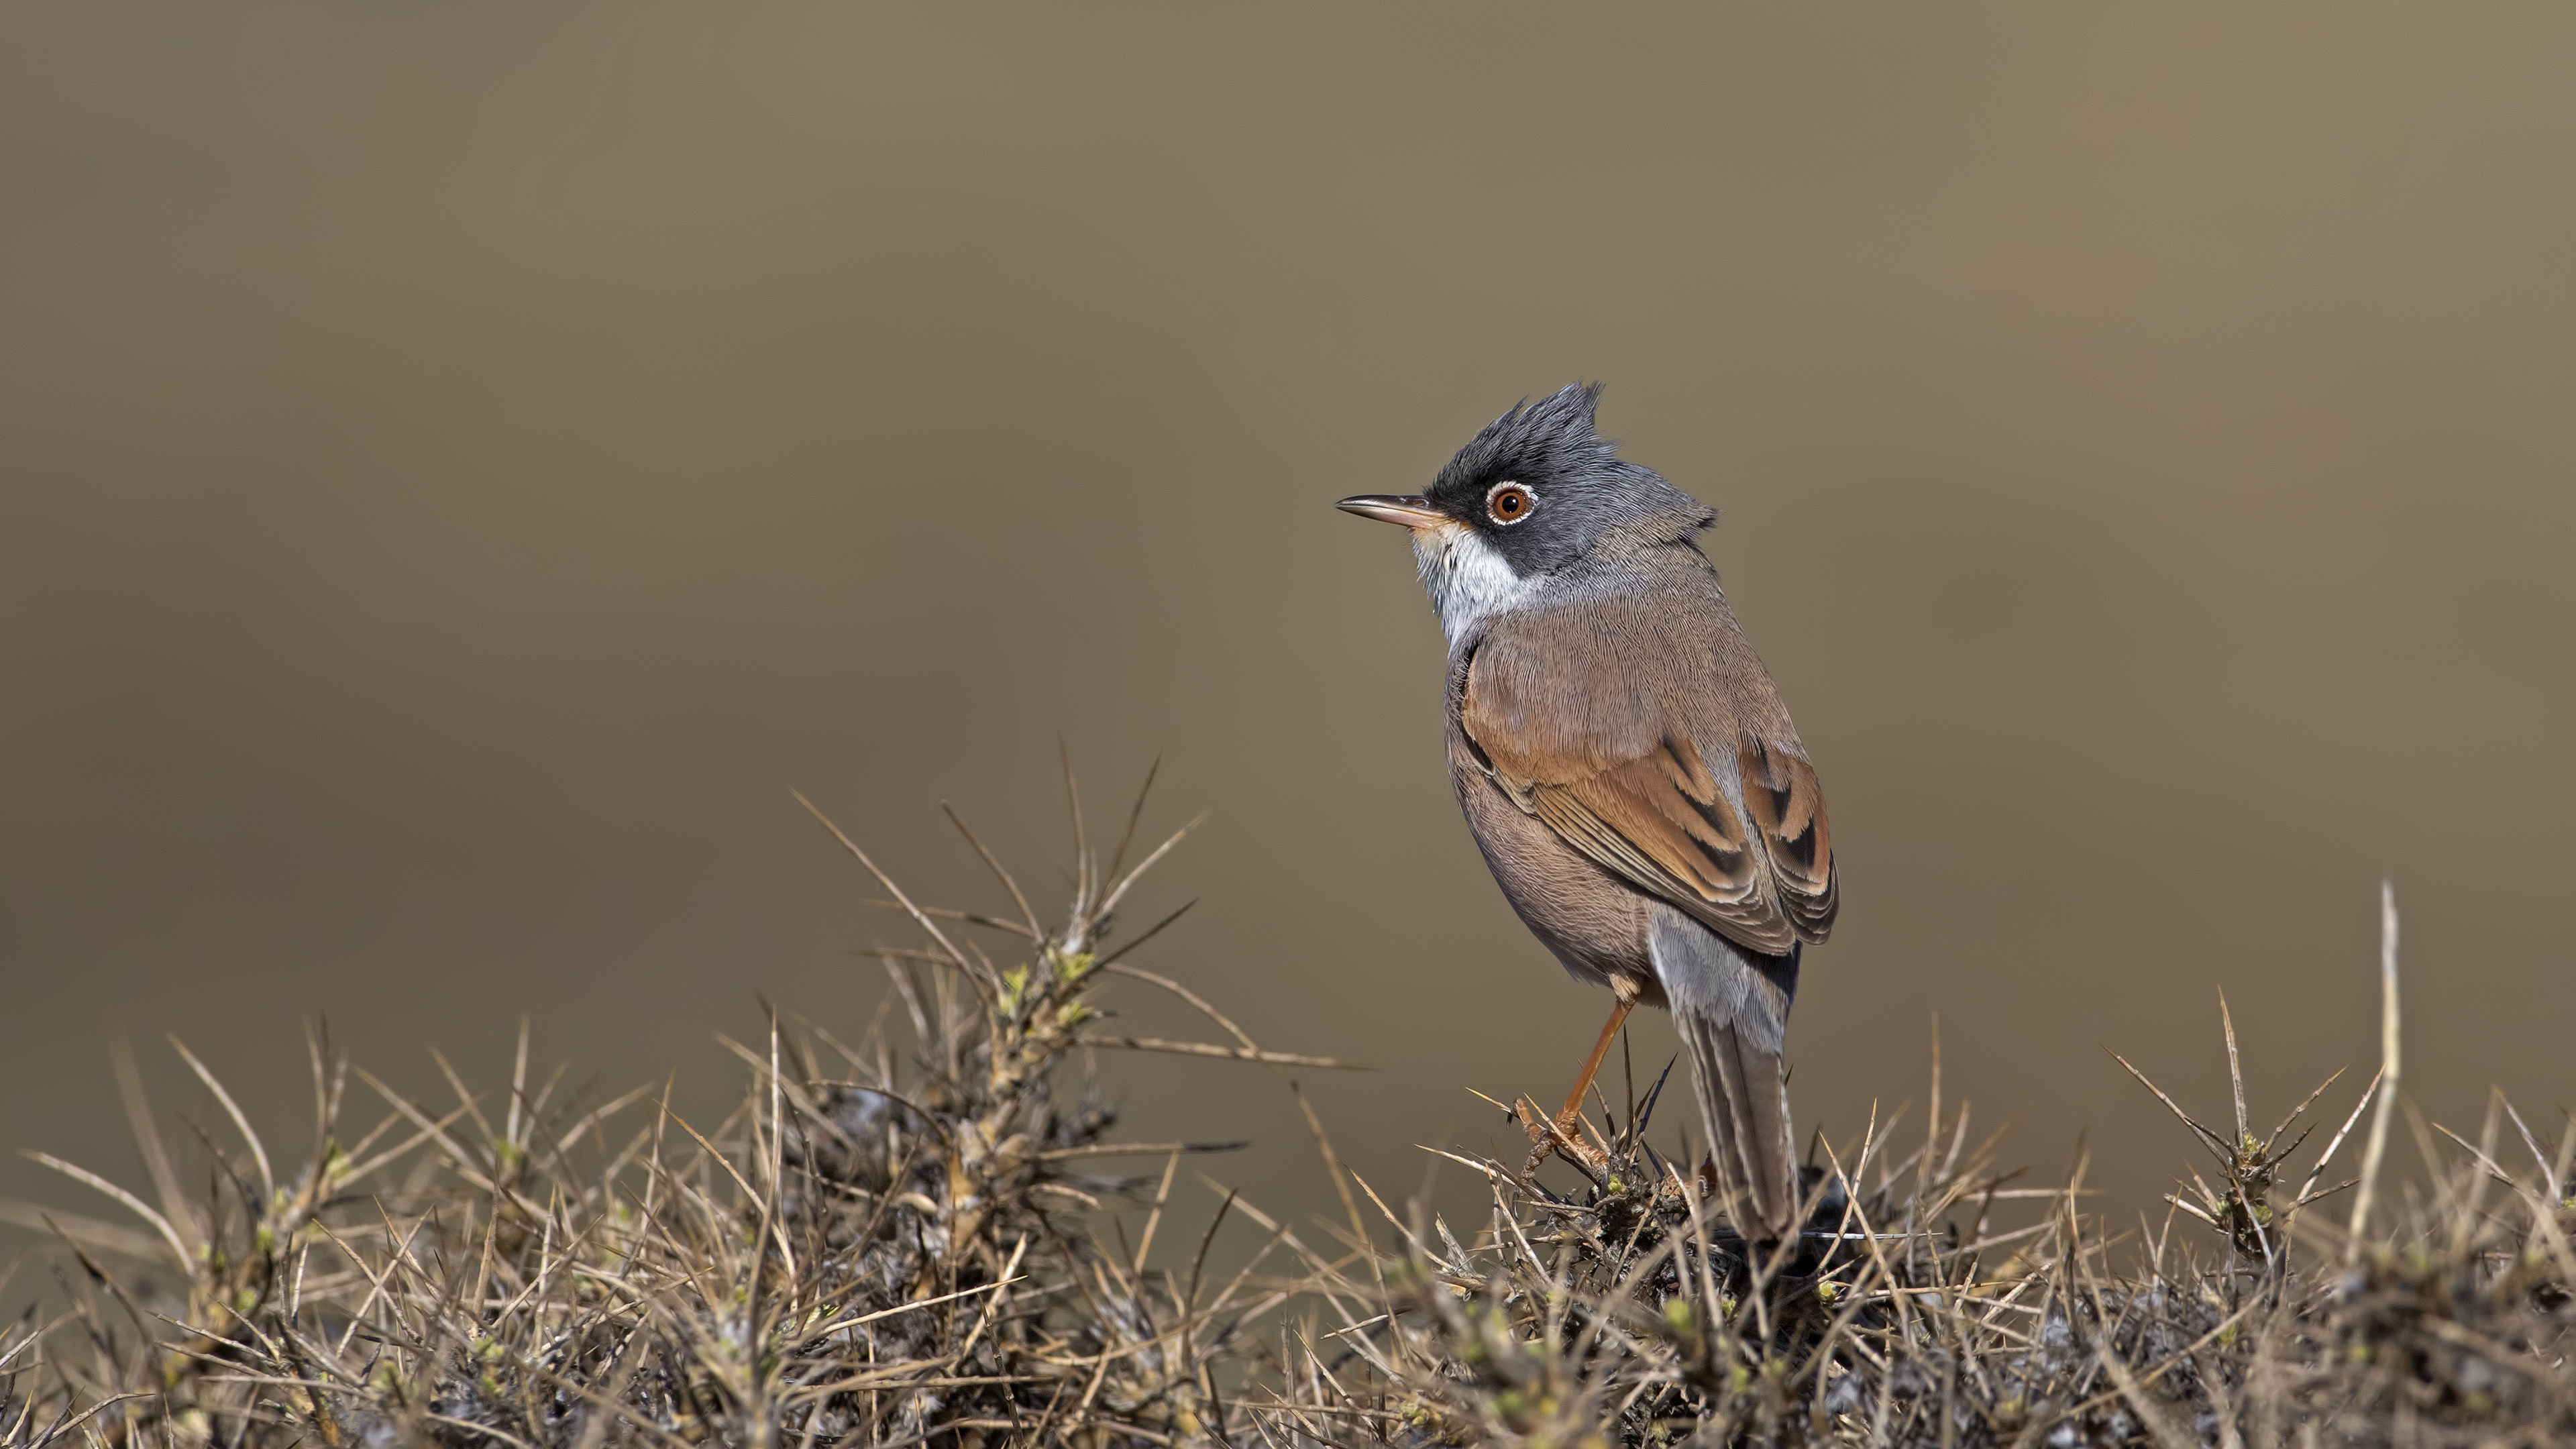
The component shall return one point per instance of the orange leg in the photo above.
(1573, 1113)
(1543, 1137)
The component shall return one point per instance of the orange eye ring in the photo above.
(1509, 503)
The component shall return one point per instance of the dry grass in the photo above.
(919, 1246)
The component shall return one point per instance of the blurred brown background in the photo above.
(461, 466)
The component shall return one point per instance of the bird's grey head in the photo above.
(1530, 496)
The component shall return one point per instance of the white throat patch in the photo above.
(1468, 580)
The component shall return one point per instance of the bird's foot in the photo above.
(1563, 1133)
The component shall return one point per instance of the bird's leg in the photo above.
(1573, 1113)
(1563, 1129)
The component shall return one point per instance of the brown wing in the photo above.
(1620, 776)
(1788, 808)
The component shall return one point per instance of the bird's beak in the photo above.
(1393, 508)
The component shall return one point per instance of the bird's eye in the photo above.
(1509, 503)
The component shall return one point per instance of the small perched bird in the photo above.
(1625, 763)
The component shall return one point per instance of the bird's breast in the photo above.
(1591, 922)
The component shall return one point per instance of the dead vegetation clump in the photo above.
(1913, 1311)
(1623, 1311)
(929, 1245)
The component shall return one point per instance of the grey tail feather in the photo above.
(1746, 1107)
(1732, 1007)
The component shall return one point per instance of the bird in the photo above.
(1626, 765)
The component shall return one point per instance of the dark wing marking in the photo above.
(1788, 808)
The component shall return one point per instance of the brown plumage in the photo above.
(1609, 722)
(1624, 761)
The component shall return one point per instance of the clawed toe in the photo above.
(1563, 1133)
